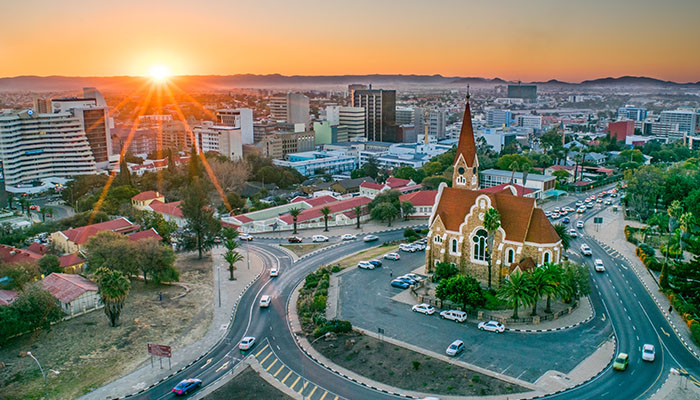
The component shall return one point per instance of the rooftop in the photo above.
(67, 287)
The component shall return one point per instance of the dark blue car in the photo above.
(376, 263)
(400, 284)
(186, 386)
(566, 220)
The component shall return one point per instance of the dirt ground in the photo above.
(375, 252)
(301, 249)
(402, 368)
(247, 385)
(84, 352)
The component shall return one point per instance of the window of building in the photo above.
(461, 180)
(510, 255)
(546, 257)
(454, 246)
(437, 239)
(479, 242)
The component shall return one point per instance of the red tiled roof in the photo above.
(11, 255)
(67, 287)
(147, 195)
(243, 218)
(7, 297)
(160, 163)
(520, 190)
(394, 183)
(411, 188)
(339, 206)
(527, 264)
(172, 209)
(370, 185)
(315, 201)
(466, 146)
(421, 198)
(148, 233)
(70, 260)
(38, 248)
(83, 234)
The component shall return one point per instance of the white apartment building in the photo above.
(35, 147)
(354, 119)
(686, 120)
(291, 108)
(411, 116)
(437, 120)
(529, 121)
(225, 140)
(238, 118)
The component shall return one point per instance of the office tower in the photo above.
(175, 136)
(224, 140)
(239, 118)
(42, 106)
(39, 146)
(498, 117)
(325, 133)
(525, 92)
(686, 120)
(290, 107)
(380, 113)
(632, 113)
(437, 120)
(93, 113)
(355, 86)
(411, 116)
(529, 121)
(353, 118)
(278, 144)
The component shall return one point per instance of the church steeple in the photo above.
(466, 165)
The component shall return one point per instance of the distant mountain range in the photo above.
(338, 82)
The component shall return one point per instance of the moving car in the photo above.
(376, 263)
(294, 239)
(566, 220)
(400, 284)
(579, 224)
(319, 238)
(348, 236)
(581, 210)
(599, 200)
(589, 205)
(265, 301)
(585, 250)
(492, 326)
(573, 233)
(621, 362)
(408, 247)
(454, 315)
(392, 256)
(426, 309)
(455, 348)
(648, 352)
(247, 343)
(365, 265)
(599, 267)
(245, 237)
(185, 386)
(370, 238)
(608, 202)
(274, 271)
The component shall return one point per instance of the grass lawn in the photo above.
(301, 249)
(375, 252)
(402, 368)
(87, 353)
(247, 385)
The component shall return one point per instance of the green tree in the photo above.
(407, 209)
(202, 227)
(461, 289)
(492, 221)
(384, 212)
(294, 212)
(358, 213)
(165, 229)
(49, 264)
(433, 168)
(326, 212)
(563, 235)
(194, 168)
(539, 283)
(554, 274)
(444, 270)
(112, 251)
(20, 275)
(124, 173)
(561, 175)
(235, 201)
(155, 260)
(232, 256)
(575, 282)
(432, 182)
(686, 221)
(516, 291)
(113, 287)
(34, 308)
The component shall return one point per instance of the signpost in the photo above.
(161, 351)
(597, 221)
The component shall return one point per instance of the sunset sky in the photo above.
(512, 39)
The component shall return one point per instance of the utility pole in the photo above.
(29, 353)
(218, 275)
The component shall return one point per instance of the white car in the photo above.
(648, 352)
(392, 256)
(608, 202)
(348, 236)
(455, 348)
(370, 238)
(492, 326)
(407, 247)
(245, 237)
(246, 343)
(426, 309)
(573, 233)
(274, 271)
(585, 250)
(579, 224)
(419, 246)
(415, 277)
(365, 265)
(581, 210)
(265, 301)
(319, 238)
(599, 267)
(454, 315)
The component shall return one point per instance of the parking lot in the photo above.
(365, 299)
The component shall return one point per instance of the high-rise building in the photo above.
(224, 140)
(411, 116)
(621, 129)
(380, 113)
(175, 135)
(437, 120)
(351, 117)
(525, 92)
(42, 106)
(278, 144)
(355, 86)
(239, 118)
(39, 146)
(498, 117)
(326, 133)
(292, 108)
(686, 120)
(632, 113)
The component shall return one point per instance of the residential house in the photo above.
(143, 199)
(72, 240)
(350, 185)
(422, 202)
(74, 293)
(7, 297)
(170, 211)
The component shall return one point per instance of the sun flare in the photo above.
(159, 73)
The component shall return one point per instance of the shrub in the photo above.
(695, 331)
(335, 326)
(416, 365)
(335, 269)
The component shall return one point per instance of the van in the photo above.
(454, 315)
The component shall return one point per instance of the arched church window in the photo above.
(510, 255)
(454, 245)
(479, 245)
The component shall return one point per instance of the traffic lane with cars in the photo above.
(501, 353)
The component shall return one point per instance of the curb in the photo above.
(338, 236)
(561, 328)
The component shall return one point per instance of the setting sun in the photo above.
(159, 72)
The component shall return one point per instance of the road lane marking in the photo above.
(278, 371)
(665, 333)
(271, 364)
(336, 398)
(265, 359)
(261, 350)
(324, 395)
(205, 364)
(295, 382)
(301, 389)
(312, 392)
(287, 376)
(603, 317)
(223, 366)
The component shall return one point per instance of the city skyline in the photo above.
(508, 40)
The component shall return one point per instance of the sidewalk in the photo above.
(146, 376)
(675, 388)
(612, 239)
(365, 228)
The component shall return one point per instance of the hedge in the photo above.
(628, 234)
(646, 254)
(695, 331)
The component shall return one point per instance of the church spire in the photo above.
(466, 164)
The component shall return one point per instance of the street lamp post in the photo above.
(29, 353)
(218, 275)
(247, 248)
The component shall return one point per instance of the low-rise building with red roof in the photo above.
(74, 293)
(7, 297)
(13, 255)
(515, 190)
(422, 202)
(143, 199)
(72, 240)
(147, 234)
(371, 189)
(72, 263)
(341, 213)
(170, 211)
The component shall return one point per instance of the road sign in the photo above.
(598, 220)
(159, 350)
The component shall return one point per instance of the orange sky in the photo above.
(512, 39)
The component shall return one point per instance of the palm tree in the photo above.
(113, 287)
(686, 221)
(675, 211)
(514, 166)
(563, 235)
(538, 286)
(553, 288)
(294, 212)
(492, 221)
(232, 256)
(358, 212)
(325, 211)
(515, 291)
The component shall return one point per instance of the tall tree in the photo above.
(194, 167)
(553, 273)
(124, 172)
(358, 213)
(384, 212)
(232, 256)
(113, 251)
(516, 291)
(492, 221)
(202, 226)
(113, 287)
(563, 235)
(407, 209)
(539, 282)
(49, 264)
(155, 260)
(326, 212)
(294, 212)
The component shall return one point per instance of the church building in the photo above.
(525, 239)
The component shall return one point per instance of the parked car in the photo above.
(599, 267)
(245, 237)
(426, 309)
(585, 250)
(621, 362)
(608, 202)
(376, 263)
(579, 224)
(573, 233)
(186, 386)
(370, 238)
(415, 277)
(397, 283)
(294, 239)
(648, 353)
(392, 256)
(265, 301)
(408, 247)
(319, 238)
(454, 315)
(407, 279)
(274, 271)
(455, 348)
(365, 265)
(492, 326)
(348, 236)
(247, 343)
(420, 246)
